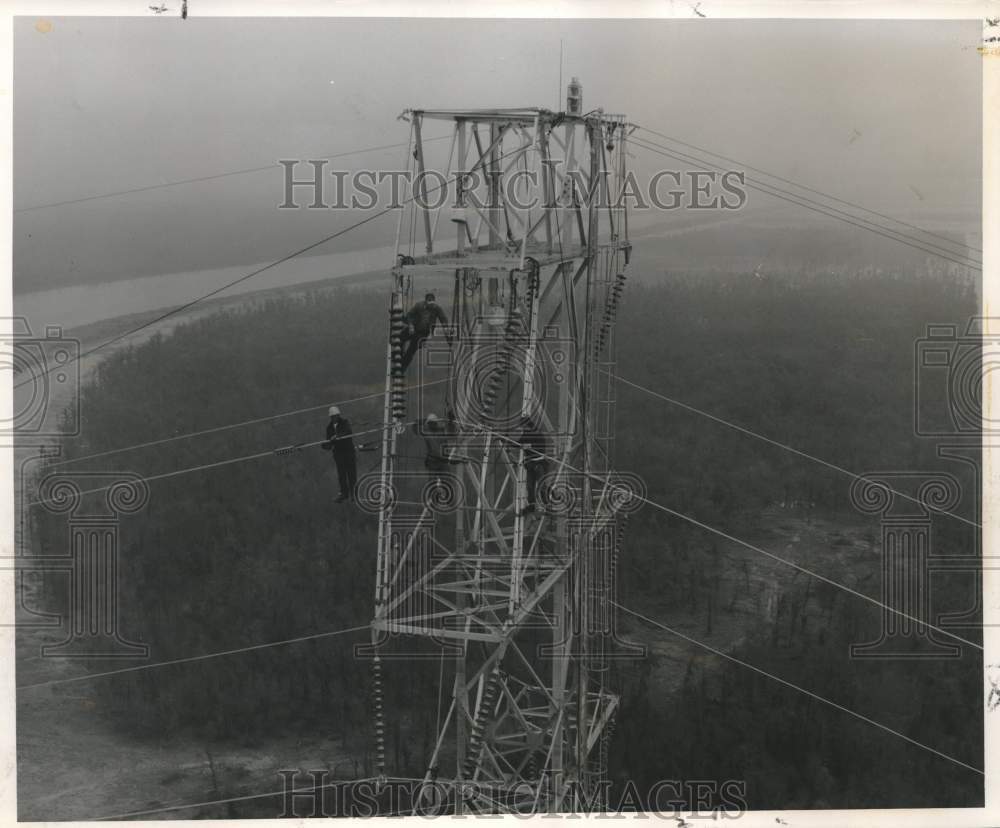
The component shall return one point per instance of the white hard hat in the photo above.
(334, 411)
(432, 417)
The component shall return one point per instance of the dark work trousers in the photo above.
(534, 471)
(416, 340)
(347, 472)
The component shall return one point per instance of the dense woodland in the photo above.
(257, 551)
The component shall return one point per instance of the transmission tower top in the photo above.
(518, 183)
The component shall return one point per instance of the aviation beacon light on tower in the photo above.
(500, 517)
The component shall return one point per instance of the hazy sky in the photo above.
(885, 113)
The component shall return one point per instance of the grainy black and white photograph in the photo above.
(465, 417)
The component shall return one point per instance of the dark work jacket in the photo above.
(338, 432)
(424, 316)
(436, 442)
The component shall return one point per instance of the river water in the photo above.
(78, 305)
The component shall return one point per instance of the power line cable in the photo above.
(204, 657)
(217, 429)
(824, 209)
(238, 280)
(281, 450)
(778, 444)
(797, 687)
(615, 603)
(186, 805)
(725, 535)
(208, 177)
(210, 294)
(809, 204)
(810, 189)
(597, 477)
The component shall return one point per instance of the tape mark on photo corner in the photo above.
(993, 675)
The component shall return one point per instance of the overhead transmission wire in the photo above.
(294, 792)
(206, 656)
(746, 664)
(741, 428)
(656, 505)
(239, 424)
(189, 659)
(748, 432)
(937, 249)
(615, 603)
(803, 690)
(218, 429)
(810, 189)
(817, 207)
(214, 177)
(647, 500)
(210, 294)
(652, 621)
(797, 687)
(410, 811)
(203, 467)
(725, 535)
(173, 311)
(275, 452)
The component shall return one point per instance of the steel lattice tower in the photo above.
(516, 603)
